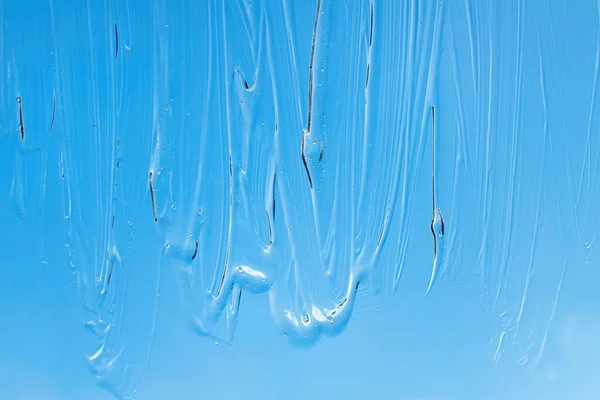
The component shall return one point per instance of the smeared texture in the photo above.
(290, 148)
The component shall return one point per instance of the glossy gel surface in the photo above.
(299, 200)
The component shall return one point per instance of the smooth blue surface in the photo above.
(139, 206)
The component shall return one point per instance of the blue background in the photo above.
(222, 297)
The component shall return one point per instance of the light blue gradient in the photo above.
(135, 183)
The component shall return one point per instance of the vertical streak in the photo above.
(21, 126)
(310, 94)
(152, 196)
(432, 165)
(312, 59)
(116, 41)
(230, 224)
(53, 112)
